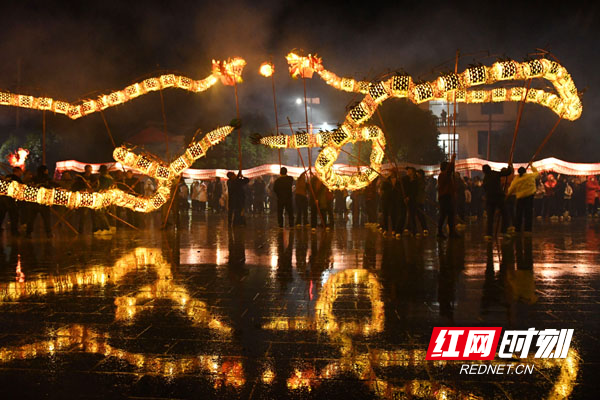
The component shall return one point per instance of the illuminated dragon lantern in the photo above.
(566, 103)
(166, 175)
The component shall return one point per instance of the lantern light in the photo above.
(165, 175)
(266, 69)
(452, 87)
(228, 72)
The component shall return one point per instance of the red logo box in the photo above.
(463, 343)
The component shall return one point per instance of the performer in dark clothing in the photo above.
(371, 202)
(494, 197)
(315, 193)
(283, 189)
(214, 197)
(134, 186)
(104, 182)
(236, 191)
(260, 193)
(10, 205)
(410, 185)
(390, 198)
(420, 198)
(302, 190)
(446, 193)
(42, 179)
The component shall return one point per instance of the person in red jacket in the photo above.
(550, 206)
(592, 192)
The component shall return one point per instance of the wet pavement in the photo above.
(262, 313)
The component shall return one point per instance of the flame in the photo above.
(229, 71)
(266, 69)
(303, 67)
(20, 275)
(17, 159)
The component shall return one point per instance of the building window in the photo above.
(447, 142)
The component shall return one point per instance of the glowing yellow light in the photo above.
(165, 174)
(268, 376)
(451, 87)
(303, 67)
(228, 71)
(90, 341)
(266, 69)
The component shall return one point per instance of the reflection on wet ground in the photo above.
(258, 312)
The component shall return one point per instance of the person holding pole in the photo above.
(523, 187)
(235, 188)
(283, 190)
(446, 198)
(302, 200)
(494, 197)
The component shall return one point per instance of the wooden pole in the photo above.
(18, 119)
(237, 113)
(358, 162)
(173, 195)
(61, 219)
(541, 146)
(275, 108)
(44, 137)
(454, 142)
(164, 116)
(512, 147)
(448, 125)
(306, 118)
(514, 140)
(123, 221)
(309, 178)
(108, 129)
(392, 158)
(489, 135)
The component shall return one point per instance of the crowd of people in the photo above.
(403, 201)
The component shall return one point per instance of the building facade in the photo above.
(478, 126)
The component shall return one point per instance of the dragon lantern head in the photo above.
(229, 71)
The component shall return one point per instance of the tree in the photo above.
(9, 146)
(410, 132)
(225, 154)
(31, 142)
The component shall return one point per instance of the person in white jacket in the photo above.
(199, 196)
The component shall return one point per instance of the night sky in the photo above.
(71, 50)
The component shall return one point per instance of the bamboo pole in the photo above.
(454, 143)
(44, 137)
(306, 118)
(173, 196)
(122, 220)
(309, 179)
(61, 219)
(237, 113)
(541, 146)
(164, 117)
(275, 108)
(521, 107)
(107, 128)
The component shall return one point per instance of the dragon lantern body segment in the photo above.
(450, 87)
(229, 72)
(166, 176)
